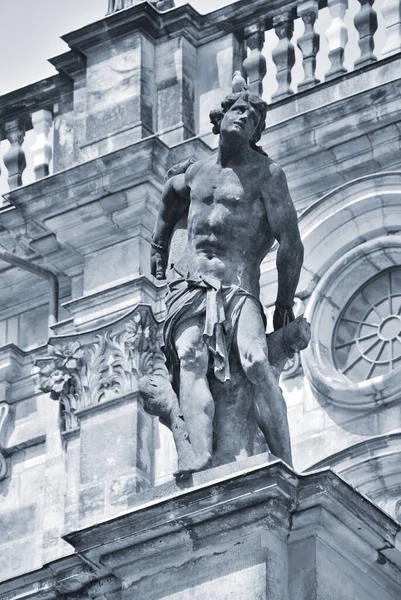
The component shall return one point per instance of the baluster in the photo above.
(391, 11)
(365, 22)
(255, 64)
(41, 150)
(337, 37)
(283, 54)
(309, 42)
(14, 158)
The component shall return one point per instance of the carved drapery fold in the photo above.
(309, 42)
(283, 54)
(14, 158)
(96, 366)
(255, 64)
(366, 24)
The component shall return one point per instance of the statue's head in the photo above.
(239, 100)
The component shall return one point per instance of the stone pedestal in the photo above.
(262, 531)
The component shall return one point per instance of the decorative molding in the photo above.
(101, 365)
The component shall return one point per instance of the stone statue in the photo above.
(236, 205)
(116, 5)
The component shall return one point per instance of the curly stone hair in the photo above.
(216, 115)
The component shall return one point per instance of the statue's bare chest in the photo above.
(222, 188)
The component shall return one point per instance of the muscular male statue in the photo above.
(237, 203)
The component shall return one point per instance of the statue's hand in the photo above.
(281, 315)
(158, 261)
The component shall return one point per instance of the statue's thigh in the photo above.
(250, 336)
(188, 339)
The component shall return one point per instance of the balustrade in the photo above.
(36, 160)
(244, 26)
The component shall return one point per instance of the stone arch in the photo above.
(350, 235)
(354, 213)
(373, 467)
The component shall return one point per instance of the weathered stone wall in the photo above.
(135, 101)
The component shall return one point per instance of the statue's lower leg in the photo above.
(159, 399)
(271, 416)
(198, 408)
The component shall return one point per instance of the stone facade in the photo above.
(78, 455)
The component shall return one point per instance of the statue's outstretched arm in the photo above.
(174, 204)
(284, 225)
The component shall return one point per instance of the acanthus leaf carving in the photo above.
(103, 366)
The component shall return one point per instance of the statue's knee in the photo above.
(255, 363)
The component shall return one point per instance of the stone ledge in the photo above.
(183, 538)
(172, 528)
(108, 301)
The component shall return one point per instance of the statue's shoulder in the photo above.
(273, 170)
(188, 167)
(264, 164)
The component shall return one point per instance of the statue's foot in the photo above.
(199, 464)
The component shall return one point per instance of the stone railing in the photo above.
(26, 120)
(264, 37)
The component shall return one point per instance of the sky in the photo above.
(30, 33)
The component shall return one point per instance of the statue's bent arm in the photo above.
(283, 222)
(174, 204)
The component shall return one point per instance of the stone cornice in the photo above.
(257, 495)
(146, 160)
(42, 94)
(98, 305)
(167, 509)
(183, 20)
(69, 63)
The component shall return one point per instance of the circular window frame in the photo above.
(372, 332)
(333, 292)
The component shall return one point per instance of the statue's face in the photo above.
(240, 121)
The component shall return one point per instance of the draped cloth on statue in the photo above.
(218, 307)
